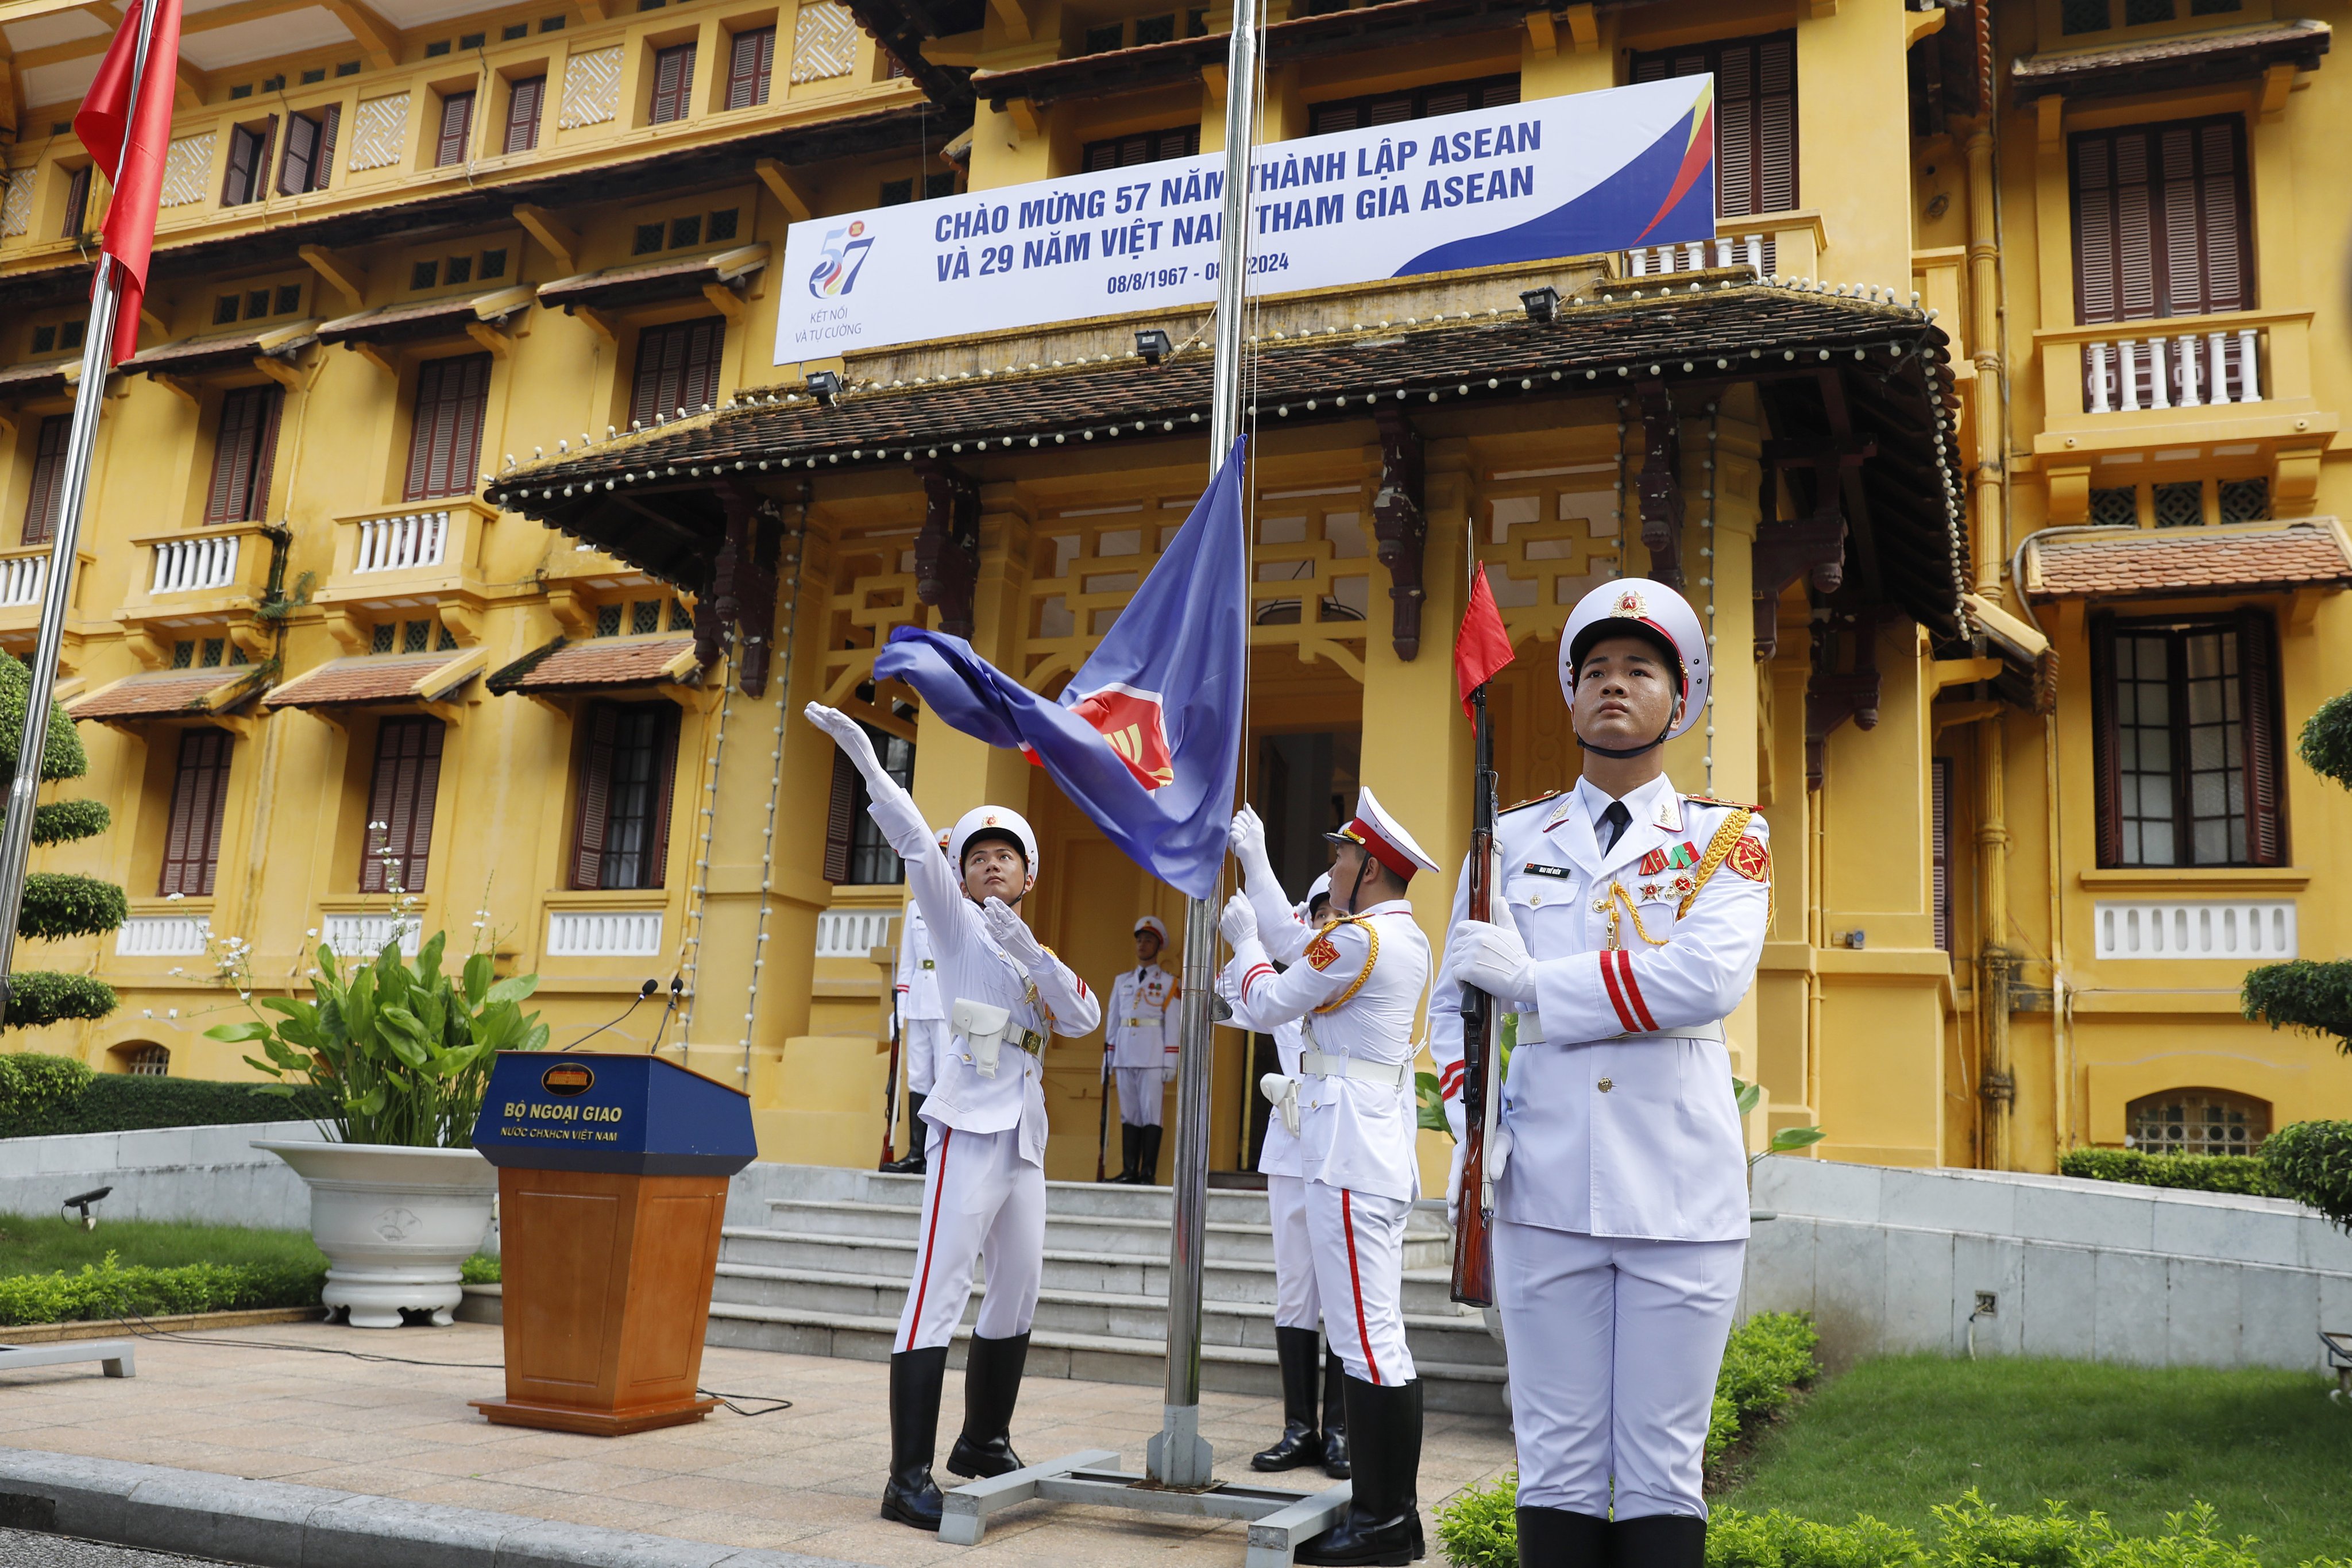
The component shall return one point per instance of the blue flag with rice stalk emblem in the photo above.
(1145, 736)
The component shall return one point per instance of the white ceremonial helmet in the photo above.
(1383, 839)
(992, 822)
(1320, 888)
(1151, 924)
(1641, 608)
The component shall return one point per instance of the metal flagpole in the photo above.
(23, 789)
(1179, 1456)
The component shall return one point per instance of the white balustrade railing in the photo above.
(162, 936)
(2172, 370)
(398, 543)
(186, 565)
(2194, 928)
(604, 933)
(21, 579)
(362, 937)
(1696, 255)
(853, 933)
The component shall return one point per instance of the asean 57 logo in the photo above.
(844, 257)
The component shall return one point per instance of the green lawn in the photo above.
(30, 1245)
(1893, 1437)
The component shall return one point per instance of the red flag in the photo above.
(1482, 647)
(133, 153)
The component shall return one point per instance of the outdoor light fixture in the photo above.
(1542, 304)
(81, 1202)
(1153, 345)
(826, 385)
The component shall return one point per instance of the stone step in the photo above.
(1444, 1337)
(1224, 1368)
(1111, 1235)
(1105, 1200)
(1222, 1279)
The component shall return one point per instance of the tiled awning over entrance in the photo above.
(598, 664)
(172, 694)
(378, 681)
(2182, 563)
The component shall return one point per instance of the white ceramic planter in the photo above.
(396, 1224)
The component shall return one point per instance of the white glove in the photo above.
(1246, 838)
(1453, 1182)
(848, 734)
(1168, 1069)
(1239, 922)
(1019, 942)
(1492, 959)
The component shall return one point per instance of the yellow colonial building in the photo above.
(457, 555)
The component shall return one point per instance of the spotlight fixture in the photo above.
(1153, 345)
(81, 1202)
(1542, 304)
(825, 386)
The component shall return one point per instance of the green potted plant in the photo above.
(399, 1199)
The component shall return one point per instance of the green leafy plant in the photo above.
(44, 1096)
(109, 1288)
(1478, 1527)
(1429, 1103)
(2244, 1173)
(2311, 1162)
(479, 1269)
(56, 905)
(402, 1049)
(1786, 1140)
(1737, 1539)
(2312, 993)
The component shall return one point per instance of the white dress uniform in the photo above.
(1142, 1044)
(922, 1020)
(1621, 1203)
(1280, 1158)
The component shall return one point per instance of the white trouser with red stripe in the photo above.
(980, 1198)
(1297, 1304)
(1140, 1090)
(1359, 1241)
(1614, 1349)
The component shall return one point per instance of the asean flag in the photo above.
(1145, 736)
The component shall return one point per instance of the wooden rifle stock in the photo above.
(1474, 1249)
(1102, 1120)
(890, 1082)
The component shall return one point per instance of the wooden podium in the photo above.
(611, 1189)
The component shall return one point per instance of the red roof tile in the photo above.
(167, 695)
(2146, 563)
(377, 677)
(214, 351)
(597, 664)
(2230, 54)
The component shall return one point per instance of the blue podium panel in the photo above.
(629, 1114)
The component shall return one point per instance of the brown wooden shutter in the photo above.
(294, 168)
(657, 857)
(2160, 221)
(77, 202)
(595, 795)
(1755, 116)
(199, 800)
(2258, 701)
(748, 67)
(244, 452)
(840, 819)
(678, 367)
(401, 796)
(2106, 787)
(457, 123)
(322, 171)
(48, 495)
(524, 103)
(236, 186)
(673, 84)
(445, 437)
(1776, 124)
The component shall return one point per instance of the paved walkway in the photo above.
(262, 1403)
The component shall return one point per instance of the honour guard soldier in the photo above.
(1298, 1308)
(1628, 922)
(1143, 1052)
(985, 1190)
(1355, 994)
(921, 1022)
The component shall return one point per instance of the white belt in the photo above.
(1393, 1074)
(1530, 1033)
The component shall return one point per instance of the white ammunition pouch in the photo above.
(985, 1029)
(1281, 1091)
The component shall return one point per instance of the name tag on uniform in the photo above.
(1534, 870)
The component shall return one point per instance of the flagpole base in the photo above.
(1177, 1455)
(1280, 1521)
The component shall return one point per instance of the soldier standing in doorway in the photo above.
(1142, 1047)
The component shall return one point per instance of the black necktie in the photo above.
(1616, 819)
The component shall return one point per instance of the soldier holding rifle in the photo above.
(1620, 1200)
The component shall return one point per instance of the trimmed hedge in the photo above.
(2311, 1162)
(66, 821)
(2242, 1174)
(110, 1289)
(2301, 994)
(38, 996)
(41, 1096)
(2325, 744)
(60, 904)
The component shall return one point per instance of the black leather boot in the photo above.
(1299, 1351)
(918, 1132)
(1381, 1528)
(992, 1385)
(1129, 1139)
(910, 1496)
(1146, 1160)
(1658, 1540)
(1335, 1416)
(1556, 1538)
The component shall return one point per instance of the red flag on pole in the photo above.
(1482, 647)
(130, 145)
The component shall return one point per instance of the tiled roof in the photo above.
(43, 378)
(2177, 563)
(216, 350)
(172, 694)
(379, 678)
(2230, 54)
(681, 278)
(425, 318)
(597, 664)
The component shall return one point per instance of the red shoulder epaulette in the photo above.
(1531, 800)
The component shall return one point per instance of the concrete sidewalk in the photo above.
(261, 1404)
